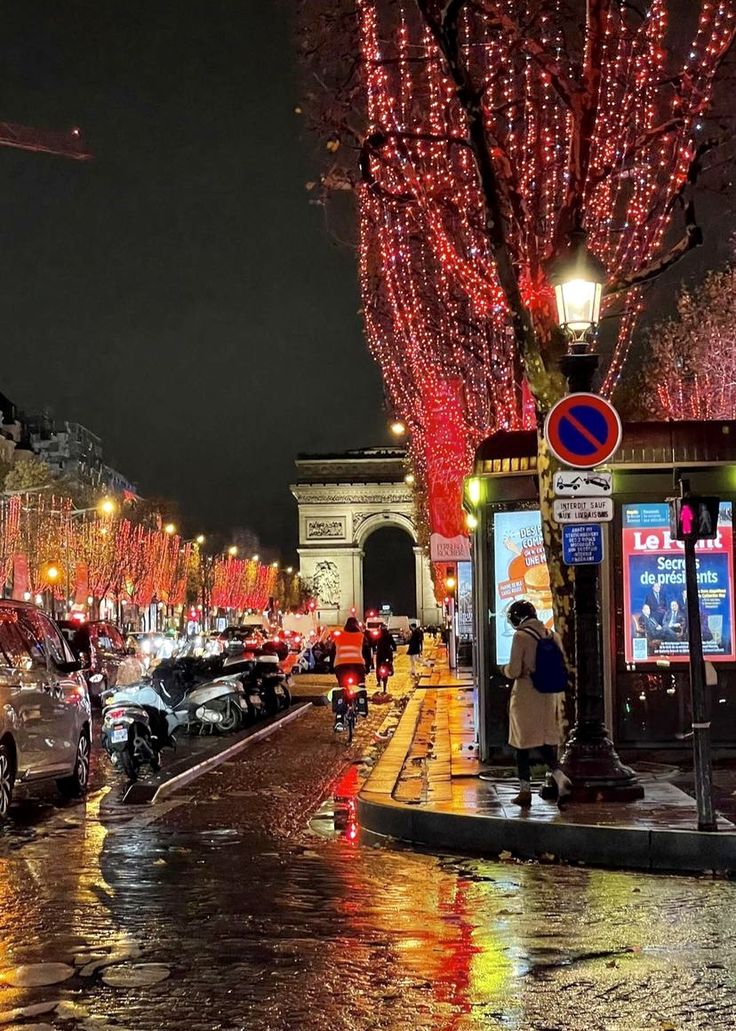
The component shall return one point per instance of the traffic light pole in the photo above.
(699, 702)
(703, 765)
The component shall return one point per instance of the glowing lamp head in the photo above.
(106, 507)
(232, 550)
(398, 428)
(52, 574)
(578, 278)
(255, 558)
(170, 529)
(471, 521)
(450, 583)
(289, 570)
(473, 490)
(200, 538)
(409, 479)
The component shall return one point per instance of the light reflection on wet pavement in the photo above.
(265, 917)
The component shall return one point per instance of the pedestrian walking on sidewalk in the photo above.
(416, 647)
(535, 712)
(385, 649)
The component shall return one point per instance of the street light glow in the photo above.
(52, 573)
(578, 277)
(255, 558)
(200, 538)
(232, 550)
(398, 428)
(170, 529)
(290, 569)
(409, 478)
(106, 507)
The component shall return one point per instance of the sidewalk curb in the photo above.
(625, 847)
(187, 776)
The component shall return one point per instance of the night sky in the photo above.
(179, 295)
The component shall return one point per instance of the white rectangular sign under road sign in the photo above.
(583, 510)
(575, 483)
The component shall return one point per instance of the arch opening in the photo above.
(389, 571)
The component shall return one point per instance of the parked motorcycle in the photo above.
(140, 720)
(264, 682)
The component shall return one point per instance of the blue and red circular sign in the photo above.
(583, 430)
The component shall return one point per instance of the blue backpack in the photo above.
(550, 675)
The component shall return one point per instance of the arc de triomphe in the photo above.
(343, 498)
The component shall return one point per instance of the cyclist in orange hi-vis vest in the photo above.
(349, 654)
(349, 663)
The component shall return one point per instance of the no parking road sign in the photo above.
(583, 430)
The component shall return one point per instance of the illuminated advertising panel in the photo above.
(465, 599)
(520, 571)
(655, 599)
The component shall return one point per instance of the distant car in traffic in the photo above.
(100, 647)
(45, 715)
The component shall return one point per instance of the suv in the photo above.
(100, 648)
(44, 706)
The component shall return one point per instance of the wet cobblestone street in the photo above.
(242, 910)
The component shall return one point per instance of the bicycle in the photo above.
(349, 702)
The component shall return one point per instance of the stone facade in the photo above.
(337, 517)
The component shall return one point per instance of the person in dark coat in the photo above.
(656, 599)
(385, 649)
(416, 647)
(648, 625)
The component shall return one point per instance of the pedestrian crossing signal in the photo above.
(694, 518)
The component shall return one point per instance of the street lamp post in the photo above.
(589, 758)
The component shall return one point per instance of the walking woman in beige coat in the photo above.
(535, 718)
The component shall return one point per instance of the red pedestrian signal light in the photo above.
(694, 518)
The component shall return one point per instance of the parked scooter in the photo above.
(264, 682)
(140, 720)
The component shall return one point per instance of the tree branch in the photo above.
(446, 34)
(691, 238)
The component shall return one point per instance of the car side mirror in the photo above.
(73, 666)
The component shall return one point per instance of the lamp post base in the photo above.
(592, 764)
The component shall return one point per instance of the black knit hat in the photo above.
(520, 611)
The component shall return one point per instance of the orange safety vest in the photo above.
(348, 648)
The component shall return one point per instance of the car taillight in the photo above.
(350, 681)
(383, 671)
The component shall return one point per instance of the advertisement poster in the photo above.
(464, 600)
(655, 599)
(520, 568)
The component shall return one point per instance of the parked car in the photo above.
(100, 647)
(45, 713)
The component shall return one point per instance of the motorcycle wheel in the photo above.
(129, 765)
(231, 721)
(272, 702)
